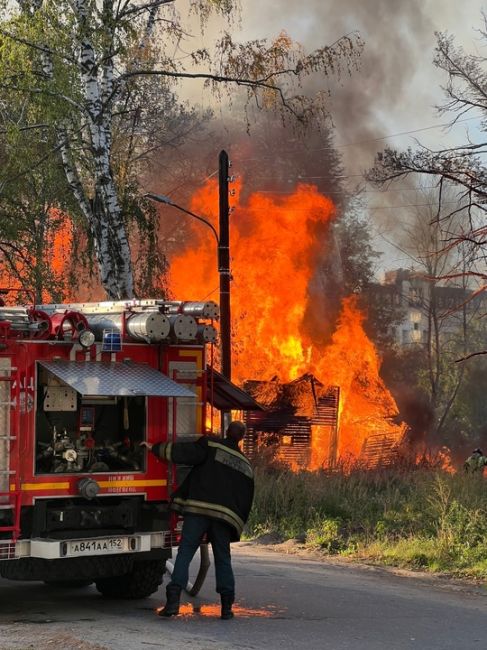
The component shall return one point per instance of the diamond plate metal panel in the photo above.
(115, 379)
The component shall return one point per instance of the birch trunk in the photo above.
(105, 215)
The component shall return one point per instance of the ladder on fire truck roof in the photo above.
(9, 440)
(203, 309)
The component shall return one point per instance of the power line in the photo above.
(368, 141)
(410, 205)
(372, 207)
(395, 135)
(360, 192)
(399, 248)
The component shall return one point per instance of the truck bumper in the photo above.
(49, 549)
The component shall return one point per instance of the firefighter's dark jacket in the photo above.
(220, 484)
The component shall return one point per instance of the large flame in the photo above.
(276, 243)
(351, 362)
(274, 251)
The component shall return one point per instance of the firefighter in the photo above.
(476, 462)
(215, 500)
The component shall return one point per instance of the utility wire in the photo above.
(399, 189)
(372, 207)
(411, 205)
(395, 135)
(397, 247)
(361, 142)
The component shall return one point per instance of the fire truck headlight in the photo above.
(86, 338)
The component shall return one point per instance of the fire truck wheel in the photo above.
(68, 584)
(141, 582)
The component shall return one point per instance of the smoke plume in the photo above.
(397, 86)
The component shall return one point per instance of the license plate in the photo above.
(101, 546)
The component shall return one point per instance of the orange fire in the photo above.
(276, 244)
(213, 610)
(274, 252)
(55, 257)
(351, 362)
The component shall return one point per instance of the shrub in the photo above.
(417, 518)
(325, 535)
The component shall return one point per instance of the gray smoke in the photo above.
(397, 86)
(395, 90)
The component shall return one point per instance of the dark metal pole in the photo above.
(224, 271)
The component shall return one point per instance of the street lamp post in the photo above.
(223, 244)
(162, 198)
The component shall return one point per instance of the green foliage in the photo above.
(419, 519)
(468, 421)
(34, 197)
(405, 372)
(325, 535)
(408, 552)
(41, 90)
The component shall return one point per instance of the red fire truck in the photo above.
(81, 386)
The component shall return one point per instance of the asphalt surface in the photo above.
(283, 602)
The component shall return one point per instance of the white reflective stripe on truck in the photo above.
(50, 549)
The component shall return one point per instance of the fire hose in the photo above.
(194, 589)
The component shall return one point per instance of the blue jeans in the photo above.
(219, 534)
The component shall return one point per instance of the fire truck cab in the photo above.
(81, 386)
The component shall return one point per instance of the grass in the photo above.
(417, 519)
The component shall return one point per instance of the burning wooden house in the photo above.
(300, 421)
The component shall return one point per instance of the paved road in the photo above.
(284, 603)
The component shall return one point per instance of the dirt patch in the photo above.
(266, 539)
(30, 637)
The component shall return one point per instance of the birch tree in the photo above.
(85, 61)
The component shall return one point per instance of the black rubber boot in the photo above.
(227, 602)
(173, 594)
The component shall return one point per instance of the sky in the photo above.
(396, 89)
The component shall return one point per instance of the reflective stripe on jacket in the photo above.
(220, 484)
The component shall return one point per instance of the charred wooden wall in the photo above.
(289, 433)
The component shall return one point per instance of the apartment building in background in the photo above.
(412, 298)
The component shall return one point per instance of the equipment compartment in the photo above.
(80, 433)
